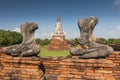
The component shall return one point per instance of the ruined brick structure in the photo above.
(83, 69)
(58, 41)
(116, 47)
(59, 68)
(26, 68)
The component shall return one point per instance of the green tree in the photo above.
(111, 41)
(42, 42)
(117, 41)
(102, 40)
(9, 38)
(46, 41)
(73, 41)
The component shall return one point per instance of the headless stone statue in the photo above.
(90, 49)
(28, 46)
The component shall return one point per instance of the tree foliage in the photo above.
(73, 41)
(42, 42)
(9, 38)
(99, 40)
(108, 41)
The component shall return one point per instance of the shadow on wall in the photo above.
(42, 67)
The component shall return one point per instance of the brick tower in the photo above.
(58, 41)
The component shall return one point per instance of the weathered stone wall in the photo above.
(32, 68)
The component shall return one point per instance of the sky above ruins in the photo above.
(13, 13)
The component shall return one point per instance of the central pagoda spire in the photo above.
(58, 26)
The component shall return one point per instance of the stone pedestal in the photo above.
(58, 43)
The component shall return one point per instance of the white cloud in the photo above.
(37, 35)
(65, 32)
(42, 35)
(17, 30)
(115, 33)
(118, 27)
(117, 3)
(76, 34)
(51, 33)
(111, 33)
(45, 34)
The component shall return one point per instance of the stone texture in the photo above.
(58, 41)
(90, 49)
(28, 46)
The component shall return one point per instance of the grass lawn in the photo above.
(45, 52)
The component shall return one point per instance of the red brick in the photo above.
(1, 74)
(86, 77)
(70, 75)
(116, 53)
(109, 78)
(99, 78)
(59, 78)
(102, 71)
(89, 71)
(118, 72)
(117, 61)
(95, 65)
(107, 65)
(94, 74)
(77, 76)
(91, 61)
(79, 73)
(63, 75)
(109, 61)
(90, 65)
(100, 61)
(66, 63)
(66, 72)
(111, 56)
(82, 64)
(31, 62)
(108, 74)
(6, 78)
(29, 66)
(81, 61)
(93, 69)
(77, 79)
(117, 56)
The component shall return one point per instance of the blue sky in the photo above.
(13, 13)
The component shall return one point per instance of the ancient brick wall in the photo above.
(59, 68)
(14, 68)
(83, 69)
